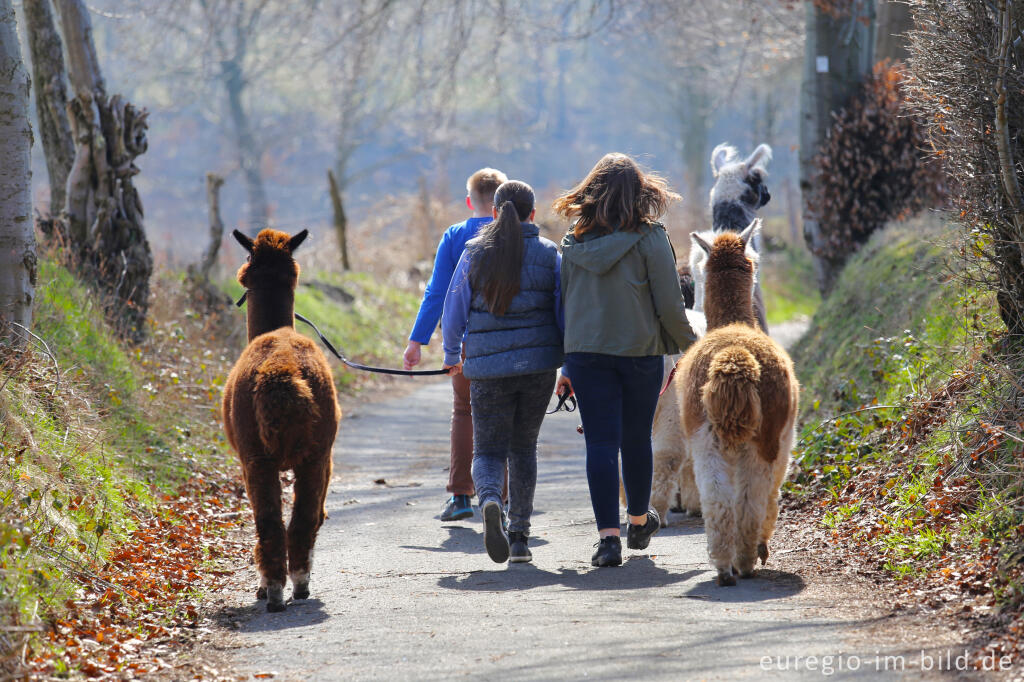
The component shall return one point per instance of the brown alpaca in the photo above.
(280, 413)
(739, 398)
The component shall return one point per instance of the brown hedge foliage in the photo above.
(873, 167)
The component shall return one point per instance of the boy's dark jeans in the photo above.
(617, 396)
(507, 414)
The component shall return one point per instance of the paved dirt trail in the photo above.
(396, 594)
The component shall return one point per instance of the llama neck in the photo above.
(728, 298)
(269, 309)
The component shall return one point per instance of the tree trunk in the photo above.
(213, 185)
(838, 54)
(696, 125)
(48, 75)
(103, 213)
(894, 22)
(249, 154)
(203, 293)
(340, 219)
(83, 66)
(17, 238)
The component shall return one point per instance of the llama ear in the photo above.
(243, 240)
(753, 229)
(699, 241)
(760, 158)
(295, 241)
(721, 155)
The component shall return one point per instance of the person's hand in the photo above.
(564, 386)
(412, 356)
(453, 369)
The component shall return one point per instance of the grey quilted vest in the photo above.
(526, 339)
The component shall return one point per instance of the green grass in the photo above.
(788, 285)
(899, 331)
(87, 443)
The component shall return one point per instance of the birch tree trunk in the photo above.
(48, 76)
(102, 211)
(838, 54)
(17, 238)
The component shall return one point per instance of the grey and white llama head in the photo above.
(739, 186)
(700, 244)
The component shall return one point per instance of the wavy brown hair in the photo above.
(616, 194)
(497, 250)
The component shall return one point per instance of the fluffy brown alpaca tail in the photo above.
(730, 396)
(285, 408)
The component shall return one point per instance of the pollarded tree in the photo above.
(102, 216)
(17, 240)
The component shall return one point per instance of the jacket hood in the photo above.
(599, 254)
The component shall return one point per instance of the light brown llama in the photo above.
(739, 396)
(280, 413)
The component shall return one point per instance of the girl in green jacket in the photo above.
(623, 310)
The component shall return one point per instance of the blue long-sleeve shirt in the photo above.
(449, 250)
(457, 304)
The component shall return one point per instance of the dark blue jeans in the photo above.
(617, 396)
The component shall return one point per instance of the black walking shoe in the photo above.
(638, 537)
(495, 539)
(519, 553)
(609, 552)
(457, 507)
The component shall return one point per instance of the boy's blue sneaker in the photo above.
(457, 507)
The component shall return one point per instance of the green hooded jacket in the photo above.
(621, 295)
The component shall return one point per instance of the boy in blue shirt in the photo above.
(480, 188)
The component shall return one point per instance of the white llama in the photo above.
(738, 403)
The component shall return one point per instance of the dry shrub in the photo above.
(872, 167)
(961, 53)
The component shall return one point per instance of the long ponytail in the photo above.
(497, 250)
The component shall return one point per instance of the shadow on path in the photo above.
(637, 572)
(465, 541)
(254, 617)
(766, 584)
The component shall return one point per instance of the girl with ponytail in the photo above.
(504, 306)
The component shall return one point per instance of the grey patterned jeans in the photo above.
(507, 414)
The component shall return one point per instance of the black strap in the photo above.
(356, 365)
(562, 399)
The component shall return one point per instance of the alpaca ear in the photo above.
(760, 158)
(752, 229)
(721, 155)
(243, 240)
(699, 241)
(295, 241)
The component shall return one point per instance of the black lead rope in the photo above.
(356, 365)
(562, 399)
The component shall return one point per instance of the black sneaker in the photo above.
(495, 539)
(457, 507)
(519, 553)
(638, 537)
(609, 552)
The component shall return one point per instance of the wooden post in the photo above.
(213, 184)
(340, 219)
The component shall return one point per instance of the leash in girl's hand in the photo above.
(356, 365)
(562, 399)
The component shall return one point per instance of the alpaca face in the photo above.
(741, 181)
(270, 263)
